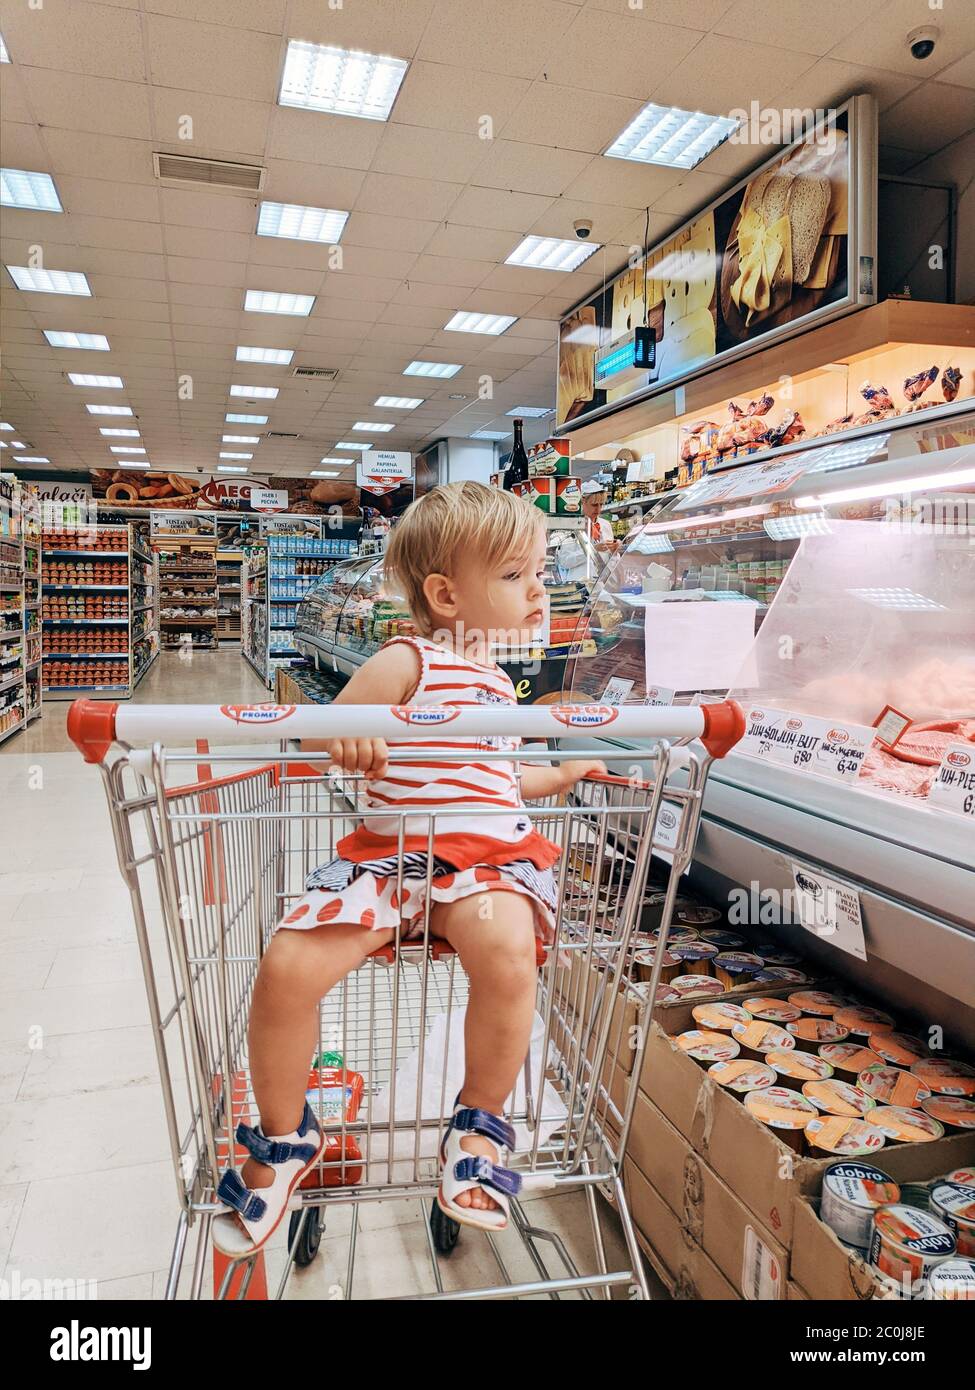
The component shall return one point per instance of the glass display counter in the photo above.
(351, 613)
(832, 592)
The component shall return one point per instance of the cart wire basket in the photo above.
(213, 862)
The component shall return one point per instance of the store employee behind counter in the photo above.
(572, 558)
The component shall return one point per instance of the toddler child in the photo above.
(470, 561)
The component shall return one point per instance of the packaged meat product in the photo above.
(907, 1244)
(704, 1046)
(892, 1086)
(861, 1021)
(810, 1033)
(786, 1112)
(693, 986)
(719, 1015)
(735, 968)
(796, 1068)
(697, 915)
(955, 1204)
(946, 1077)
(842, 1134)
(772, 1010)
(643, 964)
(849, 1059)
(743, 1076)
(898, 1049)
(905, 1126)
(757, 1038)
(915, 386)
(950, 382)
(878, 397)
(952, 1280)
(817, 1001)
(724, 940)
(852, 1193)
(695, 957)
(835, 1097)
(954, 1111)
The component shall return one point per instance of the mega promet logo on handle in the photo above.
(584, 716)
(257, 714)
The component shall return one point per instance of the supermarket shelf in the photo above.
(143, 607)
(32, 665)
(14, 728)
(85, 622)
(84, 656)
(261, 671)
(70, 692)
(141, 555)
(143, 669)
(91, 554)
(189, 622)
(9, 588)
(11, 681)
(83, 588)
(6, 636)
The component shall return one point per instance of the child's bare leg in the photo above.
(494, 935)
(298, 970)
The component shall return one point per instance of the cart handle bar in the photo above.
(93, 726)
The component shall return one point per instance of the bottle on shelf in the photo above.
(517, 470)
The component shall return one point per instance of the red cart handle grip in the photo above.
(724, 725)
(91, 727)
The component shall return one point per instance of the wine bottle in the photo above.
(517, 470)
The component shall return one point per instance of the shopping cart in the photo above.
(213, 863)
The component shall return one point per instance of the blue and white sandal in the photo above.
(463, 1171)
(261, 1210)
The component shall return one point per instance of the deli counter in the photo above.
(831, 590)
(352, 612)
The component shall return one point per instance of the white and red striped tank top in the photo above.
(488, 823)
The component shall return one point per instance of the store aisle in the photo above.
(87, 1190)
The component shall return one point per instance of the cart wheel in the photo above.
(444, 1230)
(311, 1237)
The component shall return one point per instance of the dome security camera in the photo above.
(922, 41)
(583, 228)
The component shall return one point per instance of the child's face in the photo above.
(503, 604)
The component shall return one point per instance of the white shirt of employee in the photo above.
(600, 531)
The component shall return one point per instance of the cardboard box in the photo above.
(825, 1266)
(794, 1292)
(748, 1255)
(764, 1173)
(679, 1261)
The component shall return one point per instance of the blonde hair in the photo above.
(469, 519)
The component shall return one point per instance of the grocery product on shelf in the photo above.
(187, 587)
(20, 656)
(97, 609)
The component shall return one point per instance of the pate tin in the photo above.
(852, 1192)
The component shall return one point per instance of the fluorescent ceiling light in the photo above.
(398, 402)
(846, 455)
(330, 459)
(348, 444)
(708, 519)
(18, 444)
(257, 392)
(134, 463)
(551, 253)
(668, 135)
(236, 456)
(4, 55)
(891, 488)
(240, 439)
(126, 449)
(345, 82)
(5, 426)
(489, 434)
(533, 412)
(278, 357)
(373, 425)
(897, 598)
(49, 281)
(26, 458)
(230, 468)
(109, 409)
(26, 188)
(465, 322)
(300, 223)
(323, 473)
(4, 444)
(90, 342)
(271, 302)
(112, 383)
(246, 419)
(120, 434)
(441, 369)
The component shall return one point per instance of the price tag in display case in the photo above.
(616, 691)
(806, 743)
(953, 789)
(829, 908)
(659, 695)
(666, 830)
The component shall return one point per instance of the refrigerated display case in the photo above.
(831, 590)
(348, 616)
